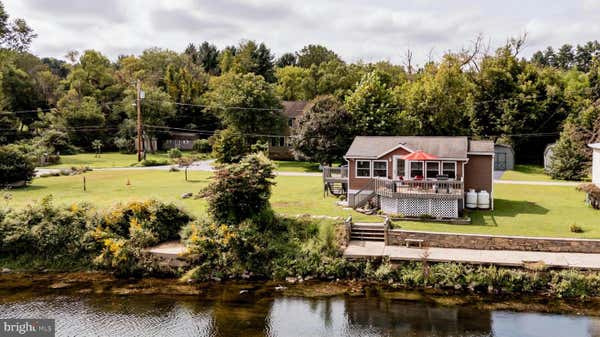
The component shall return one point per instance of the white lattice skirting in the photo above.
(444, 208)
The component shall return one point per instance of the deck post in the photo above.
(386, 227)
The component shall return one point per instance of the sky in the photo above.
(357, 30)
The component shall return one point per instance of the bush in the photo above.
(241, 191)
(574, 228)
(154, 162)
(202, 146)
(126, 229)
(125, 144)
(174, 153)
(15, 167)
(229, 146)
(46, 231)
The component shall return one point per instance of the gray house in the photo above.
(504, 157)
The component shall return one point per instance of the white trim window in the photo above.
(380, 168)
(363, 169)
(449, 169)
(416, 169)
(432, 169)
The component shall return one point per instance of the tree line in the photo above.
(235, 94)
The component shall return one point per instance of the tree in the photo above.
(229, 146)
(440, 101)
(565, 58)
(157, 109)
(208, 57)
(252, 58)
(325, 131)
(287, 59)
(97, 146)
(241, 191)
(15, 35)
(294, 83)
(15, 167)
(373, 107)
(315, 55)
(569, 159)
(81, 118)
(246, 103)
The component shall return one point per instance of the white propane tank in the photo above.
(471, 199)
(483, 200)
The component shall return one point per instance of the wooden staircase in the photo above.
(365, 231)
(336, 188)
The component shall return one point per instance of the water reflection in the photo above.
(255, 314)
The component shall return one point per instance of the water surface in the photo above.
(253, 314)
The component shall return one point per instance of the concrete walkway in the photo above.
(364, 249)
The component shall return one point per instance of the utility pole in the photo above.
(138, 106)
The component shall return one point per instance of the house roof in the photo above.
(377, 146)
(292, 109)
(481, 146)
(594, 145)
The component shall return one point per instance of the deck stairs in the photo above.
(336, 188)
(367, 231)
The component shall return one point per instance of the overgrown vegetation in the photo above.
(15, 167)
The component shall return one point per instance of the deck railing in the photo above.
(335, 173)
(397, 188)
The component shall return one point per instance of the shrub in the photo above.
(241, 191)
(202, 146)
(15, 167)
(229, 146)
(124, 144)
(46, 231)
(127, 228)
(174, 153)
(574, 228)
(154, 162)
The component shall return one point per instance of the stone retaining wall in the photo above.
(492, 242)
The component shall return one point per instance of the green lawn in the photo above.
(116, 159)
(109, 159)
(520, 209)
(297, 166)
(528, 173)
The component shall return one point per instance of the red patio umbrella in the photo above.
(420, 155)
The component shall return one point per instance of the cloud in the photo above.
(355, 29)
(107, 10)
(179, 20)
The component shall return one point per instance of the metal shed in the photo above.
(504, 157)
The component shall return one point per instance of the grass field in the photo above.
(520, 209)
(109, 159)
(116, 159)
(528, 173)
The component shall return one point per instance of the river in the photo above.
(255, 313)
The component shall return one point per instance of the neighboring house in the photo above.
(180, 140)
(548, 156)
(595, 163)
(417, 176)
(280, 146)
(504, 158)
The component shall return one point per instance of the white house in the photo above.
(595, 163)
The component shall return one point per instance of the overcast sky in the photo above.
(357, 30)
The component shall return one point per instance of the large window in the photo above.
(363, 168)
(380, 168)
(449, 169)
(400, 167)
(433, 169)
(416, 169)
